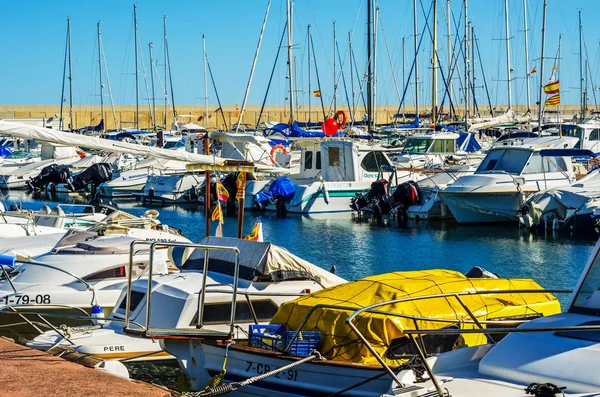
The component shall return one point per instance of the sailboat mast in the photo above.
(334, 70)
(449, 36)
(137, 94)
(542, 65)
(558, 75)
(62, 92)
(165, 60)
(374, 81)
(100, 74)
(351, 78)
(369, 64)
(150, 45)
(527, 72)
(416, 45)
(581, 91)
(70, 76)
(434, 67)
(508, 70)
(467, 78)
(205, 83)
(310, 93)
(290, 58)
(473, 78)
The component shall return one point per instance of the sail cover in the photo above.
(258, 261)
(69, 139)
(383, 331)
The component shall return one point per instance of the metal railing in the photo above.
(207, 249)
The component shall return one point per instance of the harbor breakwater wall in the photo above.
(124, 116)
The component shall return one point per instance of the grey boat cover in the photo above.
(258, 261)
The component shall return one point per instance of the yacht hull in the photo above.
(483, 207)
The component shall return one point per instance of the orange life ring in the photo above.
(344, 118)
(278, 146)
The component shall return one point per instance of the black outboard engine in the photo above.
(95, 175)
(101, 206)
(374, 201)
(281, 191)
(50, 174)
(405, 195)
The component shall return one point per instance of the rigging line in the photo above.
(587, 58)
(487, 92)
(62, 95)
(346, 56)
(312, 46)
(389, 57)
(110, 94)
(412, 67)
(262, 108)
(170, 81)
(216, 93)
(360, 88)
(141, 55)
(343, 80)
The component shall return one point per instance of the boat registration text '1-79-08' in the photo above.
(260, 369)
(26, 299)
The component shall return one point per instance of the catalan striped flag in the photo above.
(553, 100)
(217, 214)
(552, 88)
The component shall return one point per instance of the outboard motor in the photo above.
(280, 192)
(405, 195)
(101, 206)
(50, 174)
(374, 201)
(95, 175)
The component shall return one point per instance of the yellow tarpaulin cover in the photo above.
(338, 342)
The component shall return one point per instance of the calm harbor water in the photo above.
(360, 249)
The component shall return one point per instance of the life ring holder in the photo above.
(274, 149)
(341, 118)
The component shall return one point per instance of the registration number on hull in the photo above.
(260, 369)
(27, 299)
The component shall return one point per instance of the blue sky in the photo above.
(33, 40)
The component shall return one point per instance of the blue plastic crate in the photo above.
(276, 337)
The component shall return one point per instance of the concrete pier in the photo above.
(27, 372)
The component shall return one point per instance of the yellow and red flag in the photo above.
(241, 185)
(317, 93)
(553, 100)
(533, 70)
(255, 234)
(552, 88)
(222, 193)
(217, 214)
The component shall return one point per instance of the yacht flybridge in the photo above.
(506, 177)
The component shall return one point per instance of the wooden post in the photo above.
(207, 187)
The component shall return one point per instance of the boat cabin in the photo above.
(430, 144)
(340, 160)
(588, 135)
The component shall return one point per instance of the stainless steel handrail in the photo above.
(206, 248)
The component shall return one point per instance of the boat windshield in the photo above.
(587, 300)
(417, 145)
(19, 155)
(511, 161)
(174, 144)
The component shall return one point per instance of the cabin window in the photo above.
(442, 146)
(595, 135)
(220, 313)
(415, 146)
(587, 300)
(334, 156)
(136, 298)
(318, 161)
(308, 160)
(510, 161)
(117, 272)
(373, 161)
(538, 164)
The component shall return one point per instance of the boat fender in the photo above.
(115, 368)
(97, 313)
(275, 148)
(7, 260)
(325, 192)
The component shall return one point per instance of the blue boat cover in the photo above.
(281, 187)
(5, 151)
(467, 142)
(91, 128)
(567, 152)
(415, 124)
